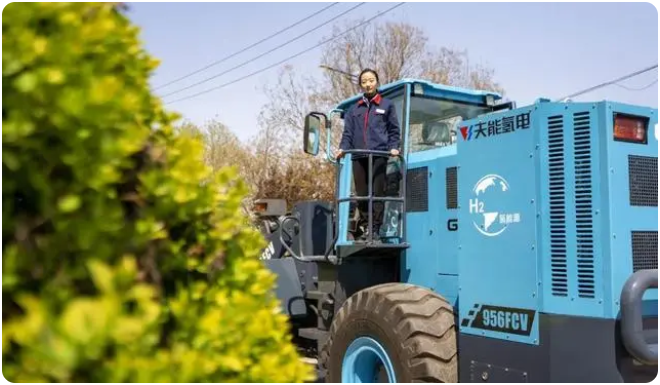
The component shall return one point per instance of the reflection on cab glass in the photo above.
(434, 123)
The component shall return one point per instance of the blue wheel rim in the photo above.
(363, 360)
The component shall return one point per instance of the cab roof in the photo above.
(431, 89)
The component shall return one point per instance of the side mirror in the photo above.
(312, 132)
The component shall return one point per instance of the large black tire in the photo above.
(414, 325)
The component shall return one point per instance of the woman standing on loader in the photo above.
(371, 124)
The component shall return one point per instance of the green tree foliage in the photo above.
(125, 259)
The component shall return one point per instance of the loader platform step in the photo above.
(402, 245)
(363, 249)
(319, 296)
(312, 334)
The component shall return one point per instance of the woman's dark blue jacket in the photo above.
(373, 123)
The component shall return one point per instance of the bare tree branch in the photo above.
(394, 49)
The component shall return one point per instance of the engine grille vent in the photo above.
(417, 190)
(452, 187)
(643, 180)
(583, 205)
(644, 250)
(556, 164)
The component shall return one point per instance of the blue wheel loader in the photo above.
(519, 244)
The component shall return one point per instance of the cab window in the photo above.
(434, 122)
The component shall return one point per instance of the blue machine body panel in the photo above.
(588, 216)
(571, 233)
(624, 218)
(561, 241)
(498, 203)
(432, 259)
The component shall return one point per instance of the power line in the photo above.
(246, 48)
(288, 58)
(635, 88)
(263, 54)
(610, 82)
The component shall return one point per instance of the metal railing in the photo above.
(370, 197)
(302, 258)
(327, 257)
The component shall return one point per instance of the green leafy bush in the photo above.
(124, 258)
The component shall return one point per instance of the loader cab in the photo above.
(429, 116)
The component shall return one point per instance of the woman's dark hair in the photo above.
(364, 71)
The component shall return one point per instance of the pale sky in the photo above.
(537, 50)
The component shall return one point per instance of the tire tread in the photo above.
(423, 322)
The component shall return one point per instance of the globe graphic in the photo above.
(486, 190)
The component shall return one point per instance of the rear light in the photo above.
(628, 128)
(261, 207)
